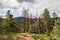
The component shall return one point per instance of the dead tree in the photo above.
(26, 19)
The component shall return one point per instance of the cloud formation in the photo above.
(33, 5)
(25, 1)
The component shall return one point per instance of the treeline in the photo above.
(43, 25)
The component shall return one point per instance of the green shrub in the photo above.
(38, 37)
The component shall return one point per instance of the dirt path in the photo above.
(27, 37)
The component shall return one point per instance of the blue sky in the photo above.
(35, 6)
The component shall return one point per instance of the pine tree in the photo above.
(56, 29)
(54, 17)
(41, 30)
(1, 20)
(10, 23)
(46, 20)
(1, 28)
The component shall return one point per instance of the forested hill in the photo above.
(20, 19)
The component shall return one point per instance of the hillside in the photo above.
(20, 19)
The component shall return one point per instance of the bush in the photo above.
(38, 37)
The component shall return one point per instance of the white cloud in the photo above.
(52, 5)
(10, 3)
(36, 6)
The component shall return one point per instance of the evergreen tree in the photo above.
(56, 29)
(10, 24)
(54, 15)
(46, 20)
(41, 30)
(1, 28)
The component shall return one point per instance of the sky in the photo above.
(34, 6)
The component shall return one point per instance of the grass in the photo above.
(22, 35)
(40, 36)
(12, 36)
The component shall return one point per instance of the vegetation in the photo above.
(44, 28)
